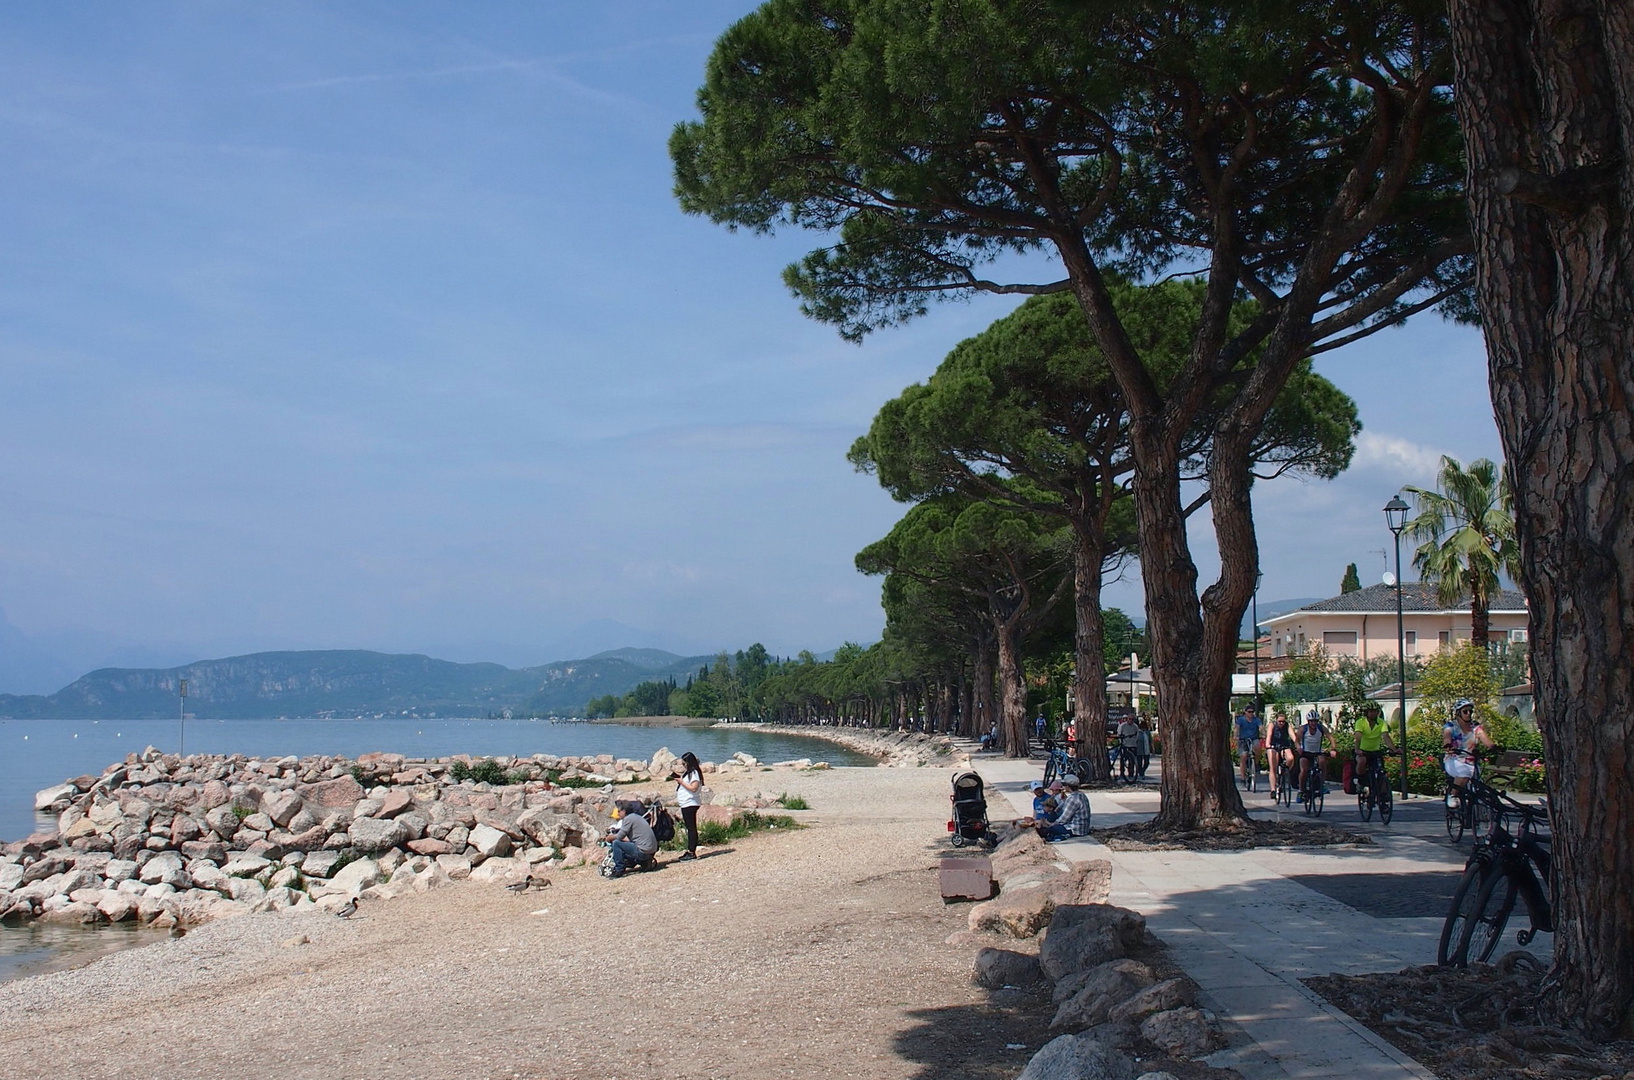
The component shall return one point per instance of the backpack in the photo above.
(663, 826)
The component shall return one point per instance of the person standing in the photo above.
(1143, 749)
(1038, 726)
(689, 783)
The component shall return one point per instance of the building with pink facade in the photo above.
(1363, 623)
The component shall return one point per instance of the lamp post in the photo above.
(1395, 516)
(1259, 708)
(181, 719)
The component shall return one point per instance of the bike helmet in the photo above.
(1313, 715)
(1462, 703)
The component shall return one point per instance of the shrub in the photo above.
(486, 771)
(240, 811)
(714, 833)
(793, 802)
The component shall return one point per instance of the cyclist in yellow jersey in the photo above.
(1372, 739)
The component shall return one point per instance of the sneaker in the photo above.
(687, 855)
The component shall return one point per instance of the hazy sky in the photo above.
(377, 325)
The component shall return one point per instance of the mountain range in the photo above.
(350, 682)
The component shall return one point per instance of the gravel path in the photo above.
(818, 952)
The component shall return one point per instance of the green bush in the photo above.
(793, 802)
(714, 833)
(486, 771)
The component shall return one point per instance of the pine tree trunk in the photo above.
(1012, 688)
(1089, 678)
(1547, 88)
(1191, 672)
(982, 691)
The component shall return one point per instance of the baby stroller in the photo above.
(969, 824)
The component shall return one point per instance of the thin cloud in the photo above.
(1397, 455)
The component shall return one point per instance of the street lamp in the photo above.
(1395, 516)
(1259, 708)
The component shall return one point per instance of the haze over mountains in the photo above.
(351, 682)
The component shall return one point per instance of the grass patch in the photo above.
(793, 802)
(713, 833)
(554, 778)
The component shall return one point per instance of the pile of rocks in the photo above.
(1113, 997)
(178, 841)
(894, 749)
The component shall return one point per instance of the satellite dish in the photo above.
(1389, 578)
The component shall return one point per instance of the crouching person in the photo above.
(1073, 819)
(633, 844)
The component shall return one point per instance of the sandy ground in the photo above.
(819, 952)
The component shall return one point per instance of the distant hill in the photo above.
(350, 683)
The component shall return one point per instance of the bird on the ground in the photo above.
(348, 909)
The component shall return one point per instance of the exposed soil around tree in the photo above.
(1149, 836)
(1478, 1023)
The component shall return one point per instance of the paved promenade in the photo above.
(1248, 926)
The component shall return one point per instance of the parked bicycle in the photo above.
(1505, 867)
(1060, 763)
(1373, 790)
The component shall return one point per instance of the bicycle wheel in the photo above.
(1364, 803)
(1451, 952)
(1320, 795)
(1455, 814)
(1480, 817)
(1387, 804)
(1285, 787)
(1484, 927)
(1050, 767)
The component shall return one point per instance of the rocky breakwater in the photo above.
(1118, 999)
(893, 749)
(176, 841)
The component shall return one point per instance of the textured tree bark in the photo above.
(1546, 88)
(983, 688)
(1012, 687)
(1089, 681)
(1192, 697)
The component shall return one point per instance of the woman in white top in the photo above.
(689, 782)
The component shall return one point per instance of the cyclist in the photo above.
(1248, 734)
(1279, 748)
(1315, 741)
(1372, 740)
(1460, 738)
(1129, 745)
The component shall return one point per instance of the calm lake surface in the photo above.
(36, 754)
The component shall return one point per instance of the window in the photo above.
(1412, 642)
(1342, 642)
(1441, 638)
(1517, 635)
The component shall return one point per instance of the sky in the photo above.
(378, 326)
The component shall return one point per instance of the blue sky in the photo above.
(377, 325)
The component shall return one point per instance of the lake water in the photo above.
(36, 754)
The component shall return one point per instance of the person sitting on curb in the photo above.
(1073, 817)
(1041, 796)
(633, 842)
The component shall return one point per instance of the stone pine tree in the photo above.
(1032, 397)
(1302, 155)
(1352, 581)
(1545, 92)
(1014, 564)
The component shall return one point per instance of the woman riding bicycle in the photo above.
(1460, 739)
(1279, 746)
(1372, 740)
(1315, 740)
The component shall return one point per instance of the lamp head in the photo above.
(1395, 513)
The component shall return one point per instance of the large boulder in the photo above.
(223, 821)
(1078, 1057)
(55, 798)
(549, 828)
(166, 867)
(1017, 912)
(997, 968)
(281, 807)
(1160, 997)
(1083, 935)
(1087, 882)
(341, 791)
(397, 801)
(1183, 1033)
(1105, 988)
(489, 841)
(354, 877)
(374, 835)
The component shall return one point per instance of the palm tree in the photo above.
(1468, 533)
